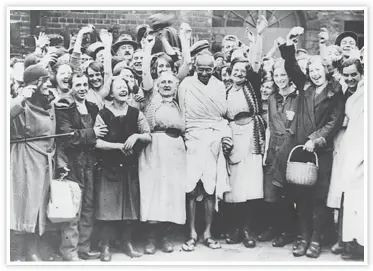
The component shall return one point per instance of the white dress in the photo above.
(245, 168)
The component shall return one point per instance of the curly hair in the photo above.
(97, 67)
(154, 63)
(323, 62)
(236, 60)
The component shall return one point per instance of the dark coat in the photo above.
(319, 118)
(76, 152)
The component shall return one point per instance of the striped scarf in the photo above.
(259, 124)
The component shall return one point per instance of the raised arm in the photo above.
(17, 104)
(147, 79)
(76, 55)
(107, 40)
(323, 38)
(256, 55)
(185, 36)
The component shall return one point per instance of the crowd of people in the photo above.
(155, 124)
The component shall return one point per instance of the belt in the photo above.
(171, 132)
(242, 118)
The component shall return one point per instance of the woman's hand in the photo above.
(130, 142)
(106, 37)
(149, 42)
(261, 25)
(227, 144)
(309, 146)
(323, 35)
(100, 131)
(42, 41)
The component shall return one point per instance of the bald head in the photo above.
(205, 67)
(205, 59)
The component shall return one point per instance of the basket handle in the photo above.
(300, 146)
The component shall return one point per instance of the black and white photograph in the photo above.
(186, 135)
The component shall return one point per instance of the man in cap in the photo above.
(31, 167)
(348, 42)
(125, 47)
(202, 100)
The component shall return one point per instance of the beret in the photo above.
(34, 72)
(198, 47)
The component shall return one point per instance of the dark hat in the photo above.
(159, 21)
(61, 51)
(344, 35)
(125, 39)
(94, 48)
(141, 31)
(34, 72)
(218, 54)
(31, 59)
(198, 47)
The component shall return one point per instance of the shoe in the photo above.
(130, 251)
(282, 240)
(33, 258)
(74, 258)
(267, 235)
(313, 250)
(300, 249)
(248, 240)
(338, 248)
(150, 247)
(105, 254)
(166, 245)
(90, 255)
(234, 237)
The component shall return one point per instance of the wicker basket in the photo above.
(300, 173)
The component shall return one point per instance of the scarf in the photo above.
(259, 123)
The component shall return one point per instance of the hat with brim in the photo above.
(198, 47)
(344, 35)
(160, 21)
(33, 73)
(124, 39)
(94, 48)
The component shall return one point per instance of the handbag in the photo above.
(64, 200)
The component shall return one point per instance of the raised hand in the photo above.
(149, 41)
(294, 34)
(42, 41)
(261, 24)
(106, 37)
(323, 35)
(86, 29)
(186, 31)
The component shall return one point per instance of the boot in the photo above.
(234, 237)
(105, 253)
(127, 247)
(165, 245)
(32, 248)
(150, 245)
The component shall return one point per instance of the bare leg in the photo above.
(191, 213)
(209, 202)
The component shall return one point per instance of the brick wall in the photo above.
(56, 20)
(200, 21)
(19, 25)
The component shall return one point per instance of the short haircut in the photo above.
(77, 75)
(353, 61)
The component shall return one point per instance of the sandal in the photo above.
(313, 250)
(189, 245)
(211, 243)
